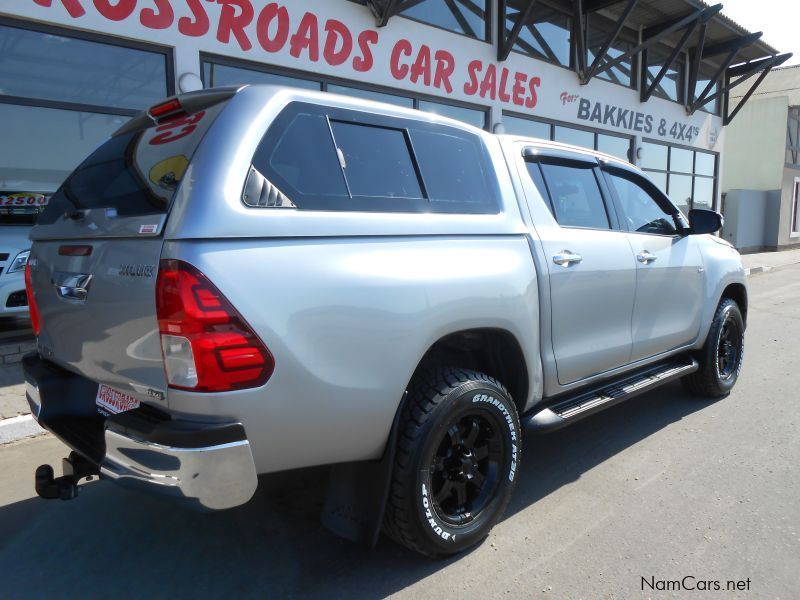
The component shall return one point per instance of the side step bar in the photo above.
(573, 408)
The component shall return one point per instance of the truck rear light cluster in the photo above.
(33, 308)
(207, 345)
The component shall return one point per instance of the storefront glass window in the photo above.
(680, 191)
(614, 145)
(687, 176)
(704, 163)
(467, 115)
(576, 137)
(62, 95)
(527, 127)
(371, 95)
(219, 75)
(547, 36)
(793, 137)
(462, 16)
(46, 66)
(703, 192)
(48, 144)
(681, 160)
(670, 85)
(654, 156)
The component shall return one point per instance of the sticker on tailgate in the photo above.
(113, 401)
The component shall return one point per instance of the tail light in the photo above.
(207, 345)
(36, 322)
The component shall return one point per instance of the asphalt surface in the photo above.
(665, 486)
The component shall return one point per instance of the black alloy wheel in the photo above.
(721, 357)
(456, 461)
(465, 469)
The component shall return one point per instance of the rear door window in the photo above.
(325, 158)
(575, 196)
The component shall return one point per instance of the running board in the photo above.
(568, 410)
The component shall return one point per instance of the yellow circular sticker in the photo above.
(168, 173)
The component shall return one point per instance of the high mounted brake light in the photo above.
(207, 345)
(165, 108)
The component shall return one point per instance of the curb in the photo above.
(757, 270)
(12, 352)
(19, 428)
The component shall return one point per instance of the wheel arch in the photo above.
(493, 351)
(738, 293)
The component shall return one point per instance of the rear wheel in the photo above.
(721, 357)
(456, 462)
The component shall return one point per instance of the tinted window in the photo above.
(474, 117)
(136, 173)
(326, 158)
(47, 66)
(640, 210)
(451, 167)
(377, 161)
(576, 197)
(302, 159)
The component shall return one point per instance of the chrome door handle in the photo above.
(646, 257)
(565, 258)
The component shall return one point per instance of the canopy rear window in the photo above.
(135, 172)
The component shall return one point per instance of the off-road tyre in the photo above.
(721, 356)
(461, 427)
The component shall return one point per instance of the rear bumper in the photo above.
(210, 464)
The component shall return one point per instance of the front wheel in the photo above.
(721, 357)
(456, 463)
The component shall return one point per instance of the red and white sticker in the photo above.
(148, 228)
(23, 199)
(113, 401)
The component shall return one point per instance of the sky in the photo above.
(778, 19)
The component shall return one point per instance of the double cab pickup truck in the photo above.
(245, 281)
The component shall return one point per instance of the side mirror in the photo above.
(702, 221)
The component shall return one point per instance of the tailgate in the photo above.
(97, 247)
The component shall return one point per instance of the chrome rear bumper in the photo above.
(208, 463)
(218, 477)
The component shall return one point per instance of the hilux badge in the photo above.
(129, 270)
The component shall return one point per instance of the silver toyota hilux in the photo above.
(244, 281)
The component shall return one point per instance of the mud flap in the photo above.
(357, 494)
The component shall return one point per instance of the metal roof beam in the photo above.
(586, 76)
(657, 33)
(647, 91)
(386, 9)
(765, 65)
(595, 5)
(729, 45)
(506, 40)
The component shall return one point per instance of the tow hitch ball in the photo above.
(66, 487)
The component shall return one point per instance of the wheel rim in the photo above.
(466, 467)
(729, 348)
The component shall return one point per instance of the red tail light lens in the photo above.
(32, 307)
(207, 345)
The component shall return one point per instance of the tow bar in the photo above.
(66, 487)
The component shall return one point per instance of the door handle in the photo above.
(646, 257)
(565, 258)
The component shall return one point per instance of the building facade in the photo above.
(645, 81)
(761, 185)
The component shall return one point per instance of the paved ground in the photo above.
(665, 486)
